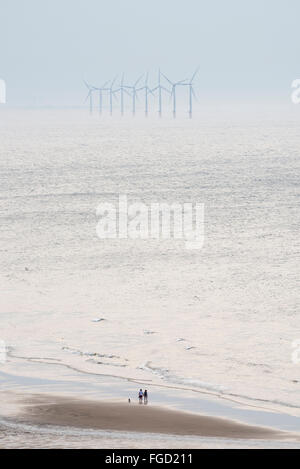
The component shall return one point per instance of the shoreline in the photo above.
(121, 417)
(259, 404)
(74, 385)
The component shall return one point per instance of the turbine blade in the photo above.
(139, 79)
(113, 82)
(166, 78)
(87, 97)
(86, 84)
(195, 73)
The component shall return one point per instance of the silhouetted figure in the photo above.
(141, 396)
(146, 397)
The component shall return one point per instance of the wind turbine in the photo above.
(173, 93)
(134, 94)
(147, 91)
(111, 94)
(90, 95)
(122, 90)
(122, 95)
(191, 93)
(101, 95)
(159, 87)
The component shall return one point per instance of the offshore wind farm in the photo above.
(112, 94)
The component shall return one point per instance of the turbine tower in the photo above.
(173, 93)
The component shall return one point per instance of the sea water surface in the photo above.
(221, 319)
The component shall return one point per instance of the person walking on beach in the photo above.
(146, 397)
(141, 396)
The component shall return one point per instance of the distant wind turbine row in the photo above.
(113, 93)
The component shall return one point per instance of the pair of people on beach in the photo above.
(143, 395)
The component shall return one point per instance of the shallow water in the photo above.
(235, 302)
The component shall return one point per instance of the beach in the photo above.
(116, 416)
(41, 421)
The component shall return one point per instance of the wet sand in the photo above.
(61, 411)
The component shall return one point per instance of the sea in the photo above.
(220, 321)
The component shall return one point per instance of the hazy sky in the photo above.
(248, 49)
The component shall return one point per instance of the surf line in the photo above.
(236, 399)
